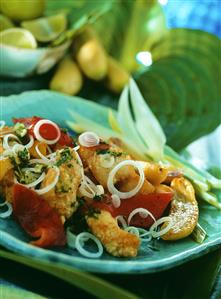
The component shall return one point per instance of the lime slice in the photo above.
(5, 23)
(20, 10)
(46, 29)
(18, 37)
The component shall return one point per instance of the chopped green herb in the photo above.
(64, 130)
(102, 152)
(81, 201)
(98, 197)
(92, 212)
(20, 130)
(107, 151)
(20, 160)
(26, 177)
(65, 156)
(39, 168)
(24, 155)
(63, 188)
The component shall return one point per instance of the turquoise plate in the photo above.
(57, 107)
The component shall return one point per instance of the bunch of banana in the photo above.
(88, 58)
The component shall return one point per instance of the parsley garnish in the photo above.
(92, 212)
(65, 156)
(107, 151)
(98, 197)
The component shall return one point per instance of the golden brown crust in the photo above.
(63, 196)
(116, 241)
(184, 210)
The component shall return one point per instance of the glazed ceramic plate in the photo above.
(57, 107)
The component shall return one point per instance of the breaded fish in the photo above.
(63, 196)
(116, 241)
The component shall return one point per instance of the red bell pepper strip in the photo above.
(37, 218)
(156, 203)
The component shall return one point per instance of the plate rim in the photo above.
(103, 266)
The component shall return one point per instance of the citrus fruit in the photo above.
(20, 10)
(5, 23)
(18, 37)
(46, 29)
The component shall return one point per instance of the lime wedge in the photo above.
(46, 29)
(18, 37)
(5, 23)
(21, 10)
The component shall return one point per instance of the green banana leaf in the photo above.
(188, 104)
(203, 274)
(88, 282)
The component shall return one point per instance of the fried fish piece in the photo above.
(63, 196)
(126, 177)
(116, 241)
(184, 210)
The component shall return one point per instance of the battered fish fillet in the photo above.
(63, 196)
(184, 210)
(116, 241)
(126, 176)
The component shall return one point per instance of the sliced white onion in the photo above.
(53, 183)
(41, 155)
(33, 184)
(2, 124)
(132, 230)
(39, 161)
(115, 200)
(89, 189)
(82, 237)
(71, 238)
(38, 135)
(143, 234)
(139, 232)
(6, 140)
(86, 190)
(49, 149)
(7, 213)
(2, 204)
(162, 232)
(76, 148)
(122, 221)
(79, 159)
(30, 143)
(17, 147)
(110, 180)
(3, 157)
(32, 169)
(107, 160)
(99, 190)
(144, 213)
(89, 139)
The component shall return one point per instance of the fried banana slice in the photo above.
(184, 210)
(116, 241)
(63, 196)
